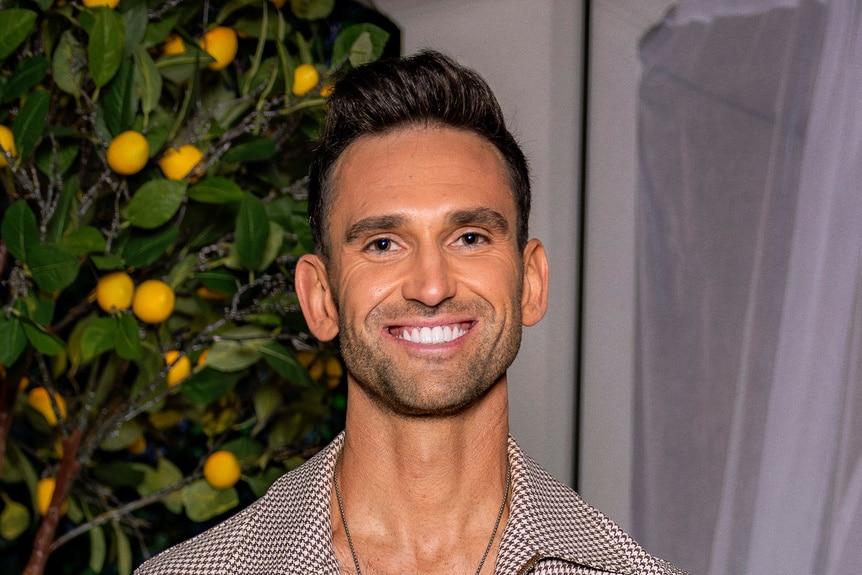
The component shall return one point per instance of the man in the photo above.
(419, 200)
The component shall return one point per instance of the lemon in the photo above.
(114, 292)
(180, 367)
(7, 142)
(153, 301)
(220, 43)
(138, 446)
(305, 78)
(222, 470)
(202, 358)
(209, 294)
(40, 400)
(305, 357)
(177, 163)
(128, 153)
(326, 91)
(278, 3)
(44, 493)
(173, 46)
(96, 3)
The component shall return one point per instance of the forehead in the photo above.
(420, 168)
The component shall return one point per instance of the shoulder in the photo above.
(552, 525)
(288, 526)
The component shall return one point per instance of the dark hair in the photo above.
(388, 94)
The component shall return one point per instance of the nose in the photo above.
(429, 279)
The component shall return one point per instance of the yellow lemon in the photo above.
(128, 153)
(305, 78)
(96, 3)
(180, 367)
(153, 301)
(222, 470)
(7, 142)
(202, 358)
(44, 493)
(326, 91)
(114, 292)
(177, 163)
(138, 446)
(173, 46)
(221, 43)
(40, 400)
(278, 3)
(305, 357)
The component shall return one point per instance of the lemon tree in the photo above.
(155, 370)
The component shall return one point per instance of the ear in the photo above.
(534, 299)
(316, 298)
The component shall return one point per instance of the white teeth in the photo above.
(432, 335)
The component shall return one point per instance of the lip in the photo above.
(429, 334)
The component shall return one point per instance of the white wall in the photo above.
(530, 54)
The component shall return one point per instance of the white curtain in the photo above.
(749, 321)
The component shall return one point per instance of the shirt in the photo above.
(550, 531)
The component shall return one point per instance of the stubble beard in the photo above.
(430, 387)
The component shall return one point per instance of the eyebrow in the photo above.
(486, 217)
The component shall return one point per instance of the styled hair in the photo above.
(390, 94)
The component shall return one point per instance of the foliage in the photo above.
(123, 449)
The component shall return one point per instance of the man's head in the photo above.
(426, 89)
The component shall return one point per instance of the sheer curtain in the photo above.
(749, 320)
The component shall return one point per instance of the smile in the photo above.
(429, 335)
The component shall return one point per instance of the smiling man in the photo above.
(419, 201)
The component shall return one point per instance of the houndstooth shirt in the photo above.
(550, 531)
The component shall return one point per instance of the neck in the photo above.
(424, 485)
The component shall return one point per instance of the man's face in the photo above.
(425, 268)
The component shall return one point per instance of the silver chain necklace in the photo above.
(487, 548)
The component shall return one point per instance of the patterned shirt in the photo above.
(550, 531)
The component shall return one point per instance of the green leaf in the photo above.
(232, 356)
(207, 385)
(245, 448)
(123, 437)
(202, 502)
(51, 164)
(128, 341)
(14, 520)
(15, 25)
(107, 35)
(108, 262)
(267, 400)
(134, 14)
(53, 267)
(215, 190)
(219, 280)
(312, 9)
(283, 361)
(264, 480)
(156, 202)
(252, 150)
(118, 473)
(29, 125)
(142, 249)
(165, 475)
(120, 100)
(123, 549)
(84, 241)
(99, 336)
(360, 43)
(274, 240)
(19, 230)
(252, 230)
(67, 73)
(148, 81)
(44, 342)
(13, 340)
(98, 549)
(29, 72)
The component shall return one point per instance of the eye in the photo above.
(471, 239)
(380, 245)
